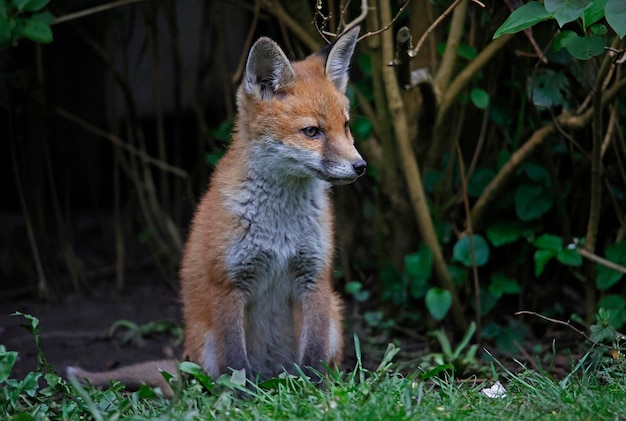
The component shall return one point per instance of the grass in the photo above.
(594, 389)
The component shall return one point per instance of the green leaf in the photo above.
(418, 287)
(505, 232)
(531, 202)
(479, 180)
(34, 5)
(541, 258)
(438, 302)
(537, 173)
(458, 274)
(213, 158)
(365, 63)
(480, 98)
(524, 17)
(488, 301)
(562, 38)
(548, 89)
(606, 277)
(501, 284)
(593, 13)
(362, 128)
(615, 14)
(43, 17)
(7, 361)
(353, 287)
(373, 318)
(584, 48)
(198, 373)
(566, 11)
(419, 265)
(36, 31)
(467, 51)
(462, 250)
(20, 4)
(599, 29)
(223, 131)
(612, 301)
(570, 257)
(549, 242)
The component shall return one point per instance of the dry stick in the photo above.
(356, 21)
(448, 61)
(275, 8)
(601, 260)
(42, 285)
(119, 233)
(504, 176)
(119, 142)
(463, 78)
(609, 131)
(412, 173)
(389, 174)
(528, 33)
(390, 22)
(595, 201)
(439, 144)
(568, 324)
(470, 233)
(436, 23)
(94, 10)
(246, 47)
(152, 40)
(607, 80)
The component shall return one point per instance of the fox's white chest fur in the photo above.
(280, 253)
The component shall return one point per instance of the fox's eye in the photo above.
(347, 127)
(312, 132)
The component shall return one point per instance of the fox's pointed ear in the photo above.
(268, 69)
(338, 60)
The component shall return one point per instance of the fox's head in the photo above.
(298, 112)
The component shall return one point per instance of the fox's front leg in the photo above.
(230, 337)
(319, 330)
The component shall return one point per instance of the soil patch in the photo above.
(74, 329)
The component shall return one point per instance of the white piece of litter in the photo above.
(495, 391)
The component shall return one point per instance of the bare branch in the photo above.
(568, 324)
(358, 19)
(600, 260)
(119, 142)
(436, 23)
(94, 10)
(391, 22)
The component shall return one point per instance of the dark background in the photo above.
(110, 132)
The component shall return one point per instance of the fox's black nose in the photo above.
(359, 166)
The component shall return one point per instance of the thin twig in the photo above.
(358, 19)
(600, 260)
(561, 322)
(391, 22)
(470, 233)
(94, 10)
(609, 130)
(436, 23)
(42, 285)
(242, 60)
(119, 142)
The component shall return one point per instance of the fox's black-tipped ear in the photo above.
(339, 55)
(267, 70)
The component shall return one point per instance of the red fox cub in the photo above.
(256, 272)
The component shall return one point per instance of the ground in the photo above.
(74, 329)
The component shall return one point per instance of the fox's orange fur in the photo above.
(256, 273)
